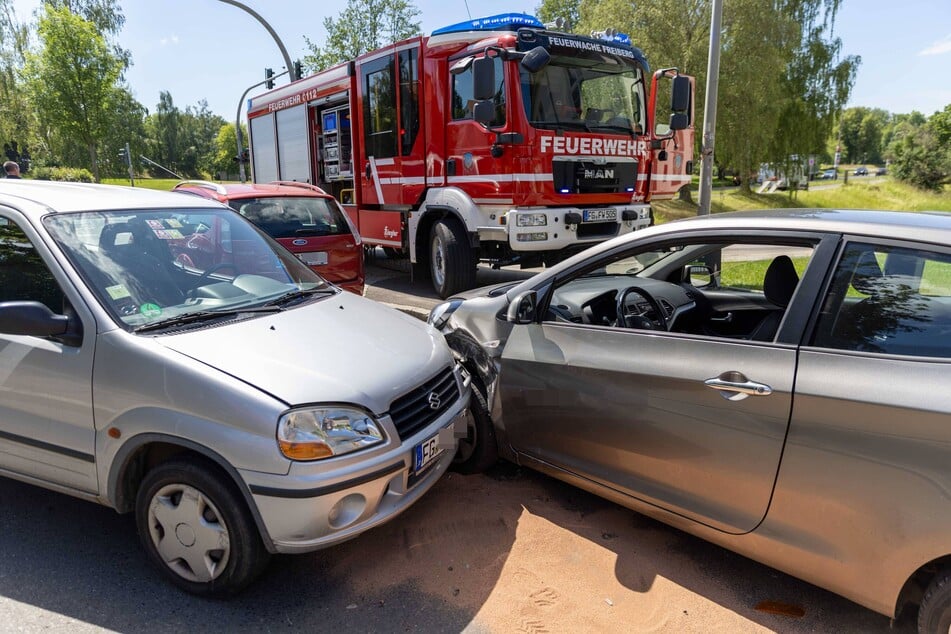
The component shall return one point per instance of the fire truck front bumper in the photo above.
(552, 229)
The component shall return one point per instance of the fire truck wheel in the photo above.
(451, 261)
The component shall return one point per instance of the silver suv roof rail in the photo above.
(299, 184)
(218, 189)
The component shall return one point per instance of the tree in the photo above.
(363, 25)
(106, 15)
(17, 123)
(919, 152)
(226, 147)
(73, 79)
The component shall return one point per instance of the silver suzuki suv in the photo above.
(160, 354)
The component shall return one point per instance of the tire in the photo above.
(934, 615)
(478, 450)
(225, 552)
(451, 262)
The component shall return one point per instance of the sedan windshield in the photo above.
(155, 267)
(583, 94)
(294, 216)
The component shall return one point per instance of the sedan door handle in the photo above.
(734, 386)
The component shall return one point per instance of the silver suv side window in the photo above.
(888, 300)
(23, 274)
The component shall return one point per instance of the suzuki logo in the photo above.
(601, 173)
(434, 401)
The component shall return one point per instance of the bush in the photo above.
(68, 174)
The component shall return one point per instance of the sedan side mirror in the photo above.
(699, 275)
(522, 309)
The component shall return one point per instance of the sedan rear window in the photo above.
(888, 300)
(291, 217)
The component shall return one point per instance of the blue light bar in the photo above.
(500, 22)
(622, 38)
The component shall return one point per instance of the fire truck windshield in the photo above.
(579, 93)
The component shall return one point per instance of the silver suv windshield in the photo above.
(580, 93)
(155, 267)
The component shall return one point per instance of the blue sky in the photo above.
(206, 49)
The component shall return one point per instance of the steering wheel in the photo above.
(640, 320)
(193, 291)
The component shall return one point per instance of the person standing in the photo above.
(11, 169)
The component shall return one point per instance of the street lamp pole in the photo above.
(710, 111)
(237, 123)
(280, 44)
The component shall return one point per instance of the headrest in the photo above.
(780, 281)
(867, 276)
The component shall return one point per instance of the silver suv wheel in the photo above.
(189, 533)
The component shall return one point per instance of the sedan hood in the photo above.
(342, 349)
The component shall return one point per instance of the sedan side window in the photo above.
(23, 274)
(888, 300)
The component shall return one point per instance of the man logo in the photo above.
(434, 401)
(600, 173)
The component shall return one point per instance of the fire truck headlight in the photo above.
(531, 220)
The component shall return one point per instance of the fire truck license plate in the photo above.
(425, 453)
(600, 215)
(315, 258)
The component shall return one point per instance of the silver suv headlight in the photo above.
(314, 433)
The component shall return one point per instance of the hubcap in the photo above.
(438, 259)
(189, 533)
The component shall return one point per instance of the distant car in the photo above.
(771, 381)
(881, 171)
(861, 171)
(303, 218)
(233, 400)
(829, 174)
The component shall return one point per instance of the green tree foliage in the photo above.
(919, 152)
(183, 142)
(569, 10)
(73, 80)
(226, 150)
(816, 83)
(363, 25)
(860, 134)
(106, 15)
(17, 122)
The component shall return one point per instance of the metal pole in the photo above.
(280, 44)
(237, 123)
(710, 111)
(128, 160)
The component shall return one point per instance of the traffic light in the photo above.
(268, 74)
(298, 70)
(124, 156)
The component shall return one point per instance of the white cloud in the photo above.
(165, 41)
(938, 48)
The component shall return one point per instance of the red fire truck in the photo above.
(495, 140)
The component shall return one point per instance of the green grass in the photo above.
(858, 194)
(164, 184)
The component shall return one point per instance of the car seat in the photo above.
(779, 284)
(127, 244)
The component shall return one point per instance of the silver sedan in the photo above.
(772, 382)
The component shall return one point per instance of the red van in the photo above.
(303, 218)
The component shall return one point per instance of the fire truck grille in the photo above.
(575, 176)
(417, 409)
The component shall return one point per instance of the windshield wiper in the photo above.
(202, 315)
(295, 295)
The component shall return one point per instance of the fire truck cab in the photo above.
(493, 140)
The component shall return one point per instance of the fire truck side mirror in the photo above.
(680, 95)
(536, 59)
(483, 78)
(484, 111)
